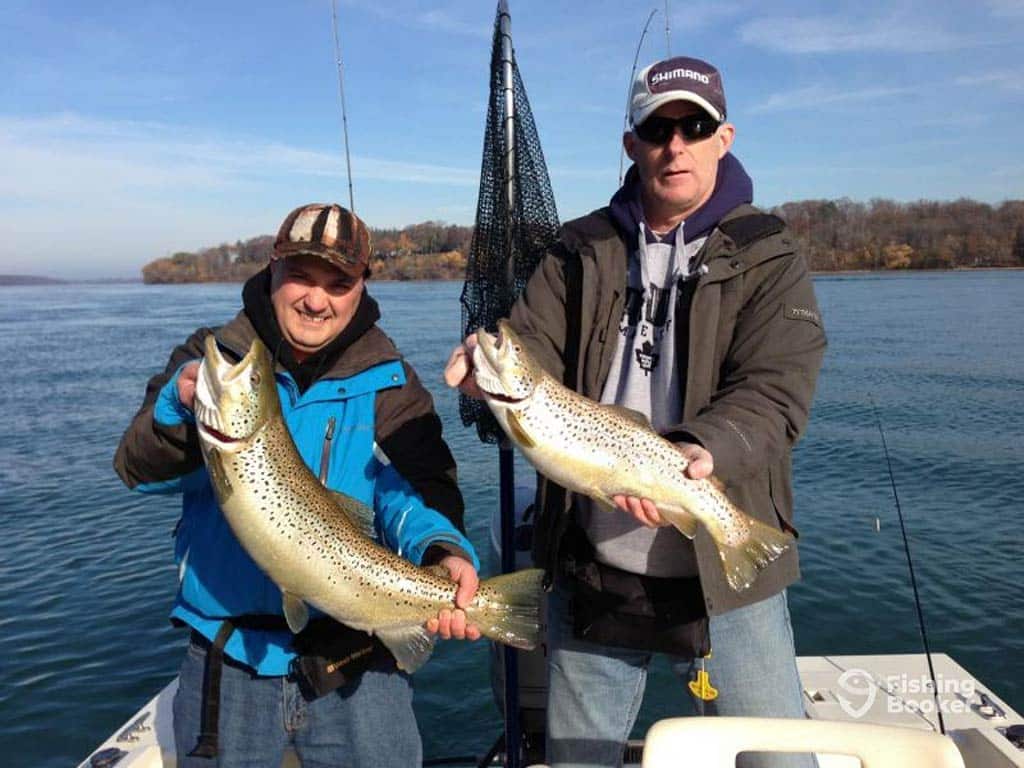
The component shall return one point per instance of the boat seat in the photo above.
(714, 742)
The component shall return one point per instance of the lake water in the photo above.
(86, 576)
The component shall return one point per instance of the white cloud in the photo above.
(817, 96)
(1004, 80)
(446, 22)
(699, 15)
(45, 156)
(1006, 7)
(436, 19)
(110, 195)
(836, 34)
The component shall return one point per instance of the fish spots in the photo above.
(602, 451)
(300, 533)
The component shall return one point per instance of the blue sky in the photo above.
(130, 130)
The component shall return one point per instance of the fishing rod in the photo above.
(341, 92)
(668, 33)
(910, 566)
(629, 89)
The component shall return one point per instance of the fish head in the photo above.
(503, 368)
(234, 401)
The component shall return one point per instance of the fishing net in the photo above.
(507, 244)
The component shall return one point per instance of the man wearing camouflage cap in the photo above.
(248, 688)
(681, 301)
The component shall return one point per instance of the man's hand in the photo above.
(452, 623)
(459, 370)
(701, 464)
(187, 384)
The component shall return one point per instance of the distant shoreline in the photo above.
(11, 281)
(820, 272)
(30, 280)
(816, 273)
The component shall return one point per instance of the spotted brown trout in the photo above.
(605, 450)
(315, 544)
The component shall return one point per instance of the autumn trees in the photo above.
(882, 234)
(834, 234)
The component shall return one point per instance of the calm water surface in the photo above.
(86, 576)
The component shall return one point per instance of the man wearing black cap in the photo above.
(682, 301)
(361, 420)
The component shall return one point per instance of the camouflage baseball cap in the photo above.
(326, 230)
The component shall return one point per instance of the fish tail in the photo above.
(507, 608)
(744, 561)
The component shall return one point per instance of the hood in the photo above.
(733, 187)
(259, 310)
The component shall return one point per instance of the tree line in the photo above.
(882, 234)
(431, 250)
(833, 234)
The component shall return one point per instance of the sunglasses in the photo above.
(660, 130)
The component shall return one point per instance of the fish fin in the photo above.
(218, 477)
(410, 645)
(517, 432)
(507, 608)
(716, 483)
(682, 520)
(743, 562)
(357, 513)
(605, 502)
(438, 570)
(630, 415)
(295, 611)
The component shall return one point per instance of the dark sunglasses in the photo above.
(659, 130)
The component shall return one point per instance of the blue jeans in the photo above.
(367, 723)
(595, 691)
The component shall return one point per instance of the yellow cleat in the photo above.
(701, 687)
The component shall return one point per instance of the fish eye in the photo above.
(254, 378)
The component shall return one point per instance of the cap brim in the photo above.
(346, 264)
(638, 116)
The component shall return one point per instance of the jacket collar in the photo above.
(733, 187)
(731, 259)
(360, 346)
(596, 233)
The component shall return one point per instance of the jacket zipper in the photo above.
(325, 455)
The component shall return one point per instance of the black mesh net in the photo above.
(507, 244)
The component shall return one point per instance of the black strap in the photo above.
(209, 727)
(743, 230)
(573, 319)
(555, 500)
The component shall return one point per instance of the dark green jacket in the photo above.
(755, 344)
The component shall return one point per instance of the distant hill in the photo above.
(834, 235)
(29, 280)
(428, 251)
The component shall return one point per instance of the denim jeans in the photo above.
(594, 691)
(367, 723)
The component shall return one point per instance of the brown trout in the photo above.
(315, 544)
(602, 451)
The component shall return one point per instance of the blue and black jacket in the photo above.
(362, 422)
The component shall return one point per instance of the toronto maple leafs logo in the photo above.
(647, 358)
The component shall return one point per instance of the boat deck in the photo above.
(883, 690)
